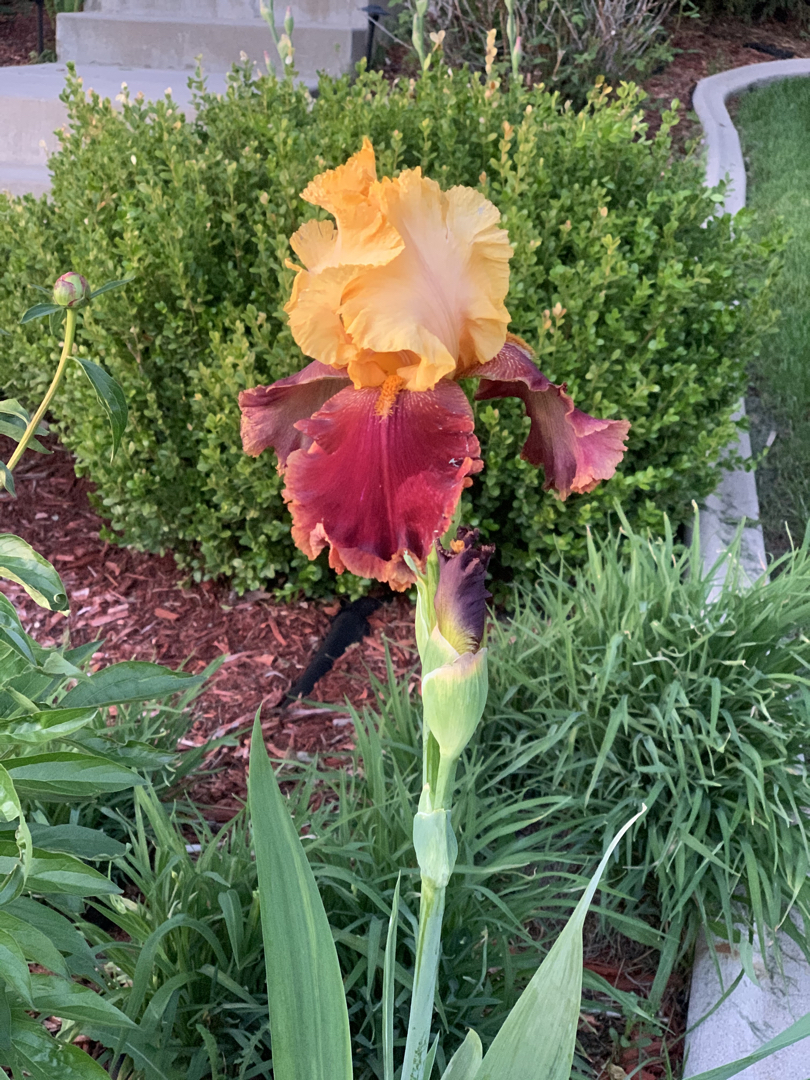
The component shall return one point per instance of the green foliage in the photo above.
(58, 757)
(664, 304)
(193, 969)
(700, 707)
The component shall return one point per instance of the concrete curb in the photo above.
(753, 1014)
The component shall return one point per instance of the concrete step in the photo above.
(151, 41)
(24, 179)
(31, 112)
(315, 12)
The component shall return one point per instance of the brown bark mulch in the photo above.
(18, 33)
(704, 48)
(142, 607)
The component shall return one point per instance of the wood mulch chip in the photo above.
(18, 32)
(142, 607)
(705, 48)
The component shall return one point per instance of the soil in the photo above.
(706, 48)
(18, 33)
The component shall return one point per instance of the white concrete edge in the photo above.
(756, 1011)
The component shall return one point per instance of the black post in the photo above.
(40, 35)
(374, 12)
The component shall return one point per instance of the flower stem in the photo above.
(70, 331)
(428, 951)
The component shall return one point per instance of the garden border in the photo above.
(752, 1014)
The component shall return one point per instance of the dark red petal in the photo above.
(575, 450)
(269, 413)
(373, 487)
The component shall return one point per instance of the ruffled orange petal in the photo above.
(576, 450)
(364, 236)
(315, 323)
(372, 487)
(442, 297)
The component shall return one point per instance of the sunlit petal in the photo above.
(441, 299)
(575, 450)
(372, 487)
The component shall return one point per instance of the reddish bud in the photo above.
(70, 290)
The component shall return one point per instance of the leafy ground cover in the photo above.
(773, 124)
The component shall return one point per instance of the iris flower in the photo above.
(395, 301)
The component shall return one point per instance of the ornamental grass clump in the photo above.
(622, 282)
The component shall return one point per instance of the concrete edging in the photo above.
(753, 1013)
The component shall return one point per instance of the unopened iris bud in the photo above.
(454, 666)
(71, 290)
(461, 599)
(288, 22)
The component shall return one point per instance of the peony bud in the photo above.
(71, 290)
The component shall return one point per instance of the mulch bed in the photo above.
(18, 33)
(706, 48)
(142, 607)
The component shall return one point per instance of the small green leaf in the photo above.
(309, 1023)
(109, 286)
(54, 872)
(14, 430)
(39, 1054)
(131, 680)
(55, 320)
(57, 997)
(12, 407)
(19, 562)
(464, 1064)
(42, 727)
(111, 397)
(77, 840)
(14, 966)
(4, 333)
(39, 311)
(36, 946)
(7, 480)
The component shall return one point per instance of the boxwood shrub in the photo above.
(664, 302)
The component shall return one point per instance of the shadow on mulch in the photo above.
(141, 607)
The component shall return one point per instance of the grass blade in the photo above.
(309, 1023)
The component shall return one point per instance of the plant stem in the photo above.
(428, 951)
(70, 331)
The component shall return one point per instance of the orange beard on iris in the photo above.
(400, 298)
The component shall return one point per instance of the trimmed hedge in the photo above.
(664, 304)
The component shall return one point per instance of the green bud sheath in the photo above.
(453, 700)
(435, 845)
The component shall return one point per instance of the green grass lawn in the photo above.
(774, 126)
